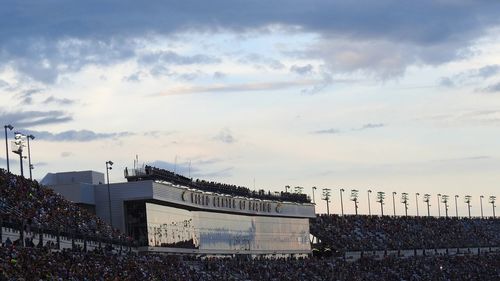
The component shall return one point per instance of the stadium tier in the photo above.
(165, 212)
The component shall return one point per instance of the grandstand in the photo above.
(46, 237)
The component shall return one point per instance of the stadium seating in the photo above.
(363, 233)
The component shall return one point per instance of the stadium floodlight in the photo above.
(456, 206)
(492, 201)
(405, 201)
(298, 189)
(341, 201)
(439, 205)
(326, 197)
(467, 199)
(394, 202)
(28, 137)
(108, 167)
(10, 127)
(416, 201)
(444, 199)
(354, 198)
(380, 199)
(481, 203)
(369, 207)
(18, 147)
(427, 199)
(313, 189)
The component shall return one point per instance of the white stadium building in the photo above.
(166, 212)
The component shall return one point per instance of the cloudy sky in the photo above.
(386, 95)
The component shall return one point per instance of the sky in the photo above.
(381, 95)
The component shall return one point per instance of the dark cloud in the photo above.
(34, 118)
(302, 70)
(370, 126)
(60, 101)
(476, 75)
(169, 57)
(488, 71)
(42, 39)
(75, 135)
(333, 131)
(219, 75)
(65, 154)
(494, 88)
(330, 131)
(225, 136)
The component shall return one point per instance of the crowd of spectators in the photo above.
(362, 233)
(25, 204)
(43, 264)
(210, 186)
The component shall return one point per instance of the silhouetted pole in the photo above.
(10, 127)
(108, 167)
(394, 202)
(369, 207)
(341, 201)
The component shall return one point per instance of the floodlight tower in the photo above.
(444, 199)
(481, 203)
(17, 148)
(416, 201)
(380, 199)
(314, 189)
(326, 197)
(404, 200)
(369, 207)
(298, 189)
(28, 137)
(456, 206)
(439, 204)
(394, 202)
(467, 200)
(109, 165)
(354, 198)
(427, 199)
(492, 201)
(341, 201)
(10, 127)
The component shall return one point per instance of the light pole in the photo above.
(467, 200)
(287, 187)
(341, 202)
(313, 189)
(394, 202)
(416, 201)
(444, 199)
(10, 127)
(326, 197)
(19, 145)
(481, 202)
(108, 167)
(298, 189)
(427, 199)
(439, 205)
(492, 201)
(354, 198)
(456, 207)
(369, 207)
(28, 137)
(380, 199)
(404, 200)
